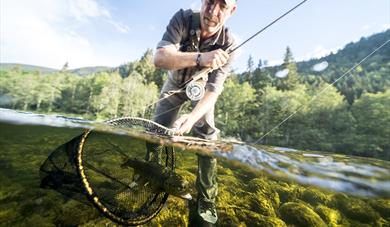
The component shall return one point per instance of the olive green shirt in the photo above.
(177, 33)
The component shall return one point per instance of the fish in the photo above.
(157, 177)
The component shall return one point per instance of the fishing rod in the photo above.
(195, 90)
(203, 73)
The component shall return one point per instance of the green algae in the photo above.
(247, 197)
(330, 216)
(355, 209)
(382, 206)
(314, 196)
(300, 215)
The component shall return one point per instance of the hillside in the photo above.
(353, 53)
(24, 67)
(372, 75)
(45, 70)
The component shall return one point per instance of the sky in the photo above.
(113, 32)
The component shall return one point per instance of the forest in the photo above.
(318, 104)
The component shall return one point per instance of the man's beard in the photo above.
(211, 25)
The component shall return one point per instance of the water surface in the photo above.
(258, 185)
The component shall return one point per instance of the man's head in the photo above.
(214, 14)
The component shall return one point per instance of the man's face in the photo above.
(214, 14)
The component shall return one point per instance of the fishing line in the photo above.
(203, 73)
(269, 25)
(208, 70)
(112, 194)
(320, 93)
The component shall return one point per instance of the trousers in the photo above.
(167, 110)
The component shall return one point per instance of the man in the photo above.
(193, 41)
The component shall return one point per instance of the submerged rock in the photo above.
(330, 216)
(271, 222)
(259, 184)
(251, 218)
(262, 205)
(263, 189)
(300, 215)
(382, 206)
(314, 196)
(288, 192)
(354, 208)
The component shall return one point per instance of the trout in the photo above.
(158, 178)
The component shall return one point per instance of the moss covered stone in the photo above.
(263, 188)
(227, 219)
(271, 222)
(330, 216)
(354, 208)
(300, 215)
(382, 206)
(175, 213)
(287, 192)
(259, 184)
(262, 205)
(251, 218)
(314, 196)
(74, 213)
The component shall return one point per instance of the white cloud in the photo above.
(119, 26)
(319, 52)
(82, 9)
(274, 62)
(50, 33)
(386, 26)
(368, 26)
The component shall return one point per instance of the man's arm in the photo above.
(187, 121)
(170, 58)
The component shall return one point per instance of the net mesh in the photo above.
(95, 161)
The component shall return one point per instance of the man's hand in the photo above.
(184, 124)
(214, 59)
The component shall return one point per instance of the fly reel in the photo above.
(195, 90)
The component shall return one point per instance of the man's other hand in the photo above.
(184, 124)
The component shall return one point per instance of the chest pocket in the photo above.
(192, 44)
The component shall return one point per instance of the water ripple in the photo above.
(334, 172)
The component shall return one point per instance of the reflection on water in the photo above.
(357, 176)
(258, 186)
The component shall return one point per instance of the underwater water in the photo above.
(258, 185)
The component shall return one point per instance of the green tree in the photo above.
(248, 75)
(137, 97)
(316, 124)
(145, 66)
(372, 114)
(275, 114)
(291, 81)
(232, 107)
(108, 101)
(69, 96)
